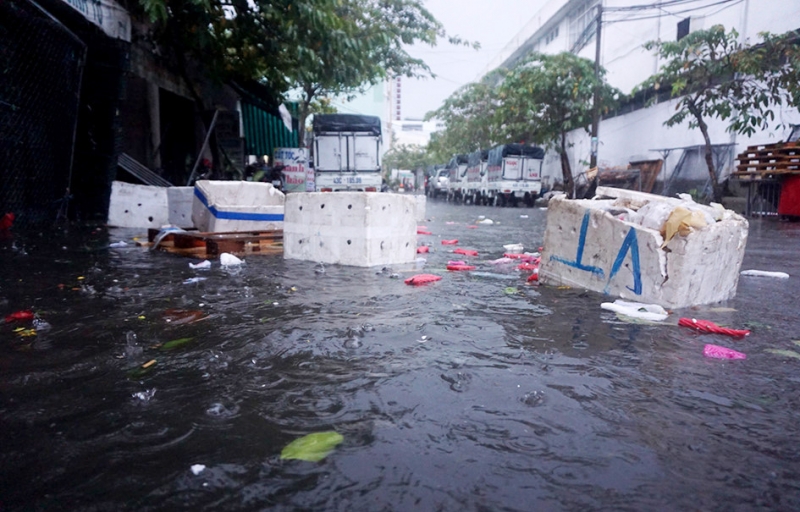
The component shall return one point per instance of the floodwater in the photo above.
(478, 392)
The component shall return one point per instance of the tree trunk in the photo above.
(566, 170)
(709, 154)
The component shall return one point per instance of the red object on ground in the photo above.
(20, 316)
(718, 352)
(517, 256)
(423, 232)
(422, 249)
(422, 279)
(789, 202)
(449, 242)
(712, 328)
(472, 227)
(533, 277)
(6, 221)
(460, 267)
(528, 266)
(465, 252)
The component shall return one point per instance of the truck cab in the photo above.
(347, 152)
(515, 174)
(457, 172)
(477, 182)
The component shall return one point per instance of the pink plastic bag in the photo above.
(718, 352)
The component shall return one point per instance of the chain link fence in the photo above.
(41, 64)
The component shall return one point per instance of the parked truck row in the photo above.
(506, 175)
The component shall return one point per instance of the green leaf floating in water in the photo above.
(313, 447)
(175, 343)
(511, 290)
(785, 353)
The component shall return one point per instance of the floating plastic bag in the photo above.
(229, 260)
(765, 273)
(450, 242)
(203, 265)
(513, 248)
(681, 222)
(421, 279)
(651, 312)
(717, 352)
(712, 328)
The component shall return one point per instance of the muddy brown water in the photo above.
(478, 392)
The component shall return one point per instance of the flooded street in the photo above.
(478, 392)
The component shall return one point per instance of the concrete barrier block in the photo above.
(361, 229)
(180, 201)
(422, 202)
(220, 206)
(137, 206)
(601, 245)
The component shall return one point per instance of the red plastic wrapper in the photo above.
(712, 328)
(20, 316)
(420, 279)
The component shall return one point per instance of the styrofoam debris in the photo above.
(192, 280)
(121, 243)
(197, 468)
(652, 312)
(499, 261)
(203, 265)
(514, 248)
(229, 260)
(765, 273)
(486, 221)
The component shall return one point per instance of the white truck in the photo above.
(457, 184)
(515, 174)
(477, 181)
(347, 150)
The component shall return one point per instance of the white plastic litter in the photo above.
(514, 248)
(121, 243)
(765, 273)
(502, 260)
(229, 260)
(486, 221)
(197, 468)
(203, 265)
(652, 312)
(192, 280)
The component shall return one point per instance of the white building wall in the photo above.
(629, 64)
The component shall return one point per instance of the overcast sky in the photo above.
(493, 23)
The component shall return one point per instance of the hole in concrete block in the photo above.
(301, 207)
(300, 241)
(381, 245)
(126, 211)
(348, 242)
(150, 218)
(406, 244)
(322, 206)
(140, 204)
(384, 207)
(349, 206)
(321, 244)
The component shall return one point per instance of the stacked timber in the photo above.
(759, 162)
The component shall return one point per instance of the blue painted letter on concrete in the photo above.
(629, 244)
(579, 256)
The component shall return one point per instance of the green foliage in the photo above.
(407, 156)
(714, 75)
(312, 447)
(547, 96)
(469, 119)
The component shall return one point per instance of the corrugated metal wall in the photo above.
(264, 132)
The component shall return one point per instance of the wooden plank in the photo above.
(211, 245)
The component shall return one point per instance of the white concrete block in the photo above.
(591, 244)
(361, 229)
(422, 202)
(180, 201)
(137, 206)
(221, 206)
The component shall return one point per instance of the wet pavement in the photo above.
(478, 392)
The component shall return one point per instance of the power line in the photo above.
(676, 13)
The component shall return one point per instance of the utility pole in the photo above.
(596, 106)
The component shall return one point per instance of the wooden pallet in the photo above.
(210, 245)
(768, 159)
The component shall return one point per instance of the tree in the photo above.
(546, 97)
(468, 116)
(367, 47)
(717, 76)
(407, 156)
(317, 47)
